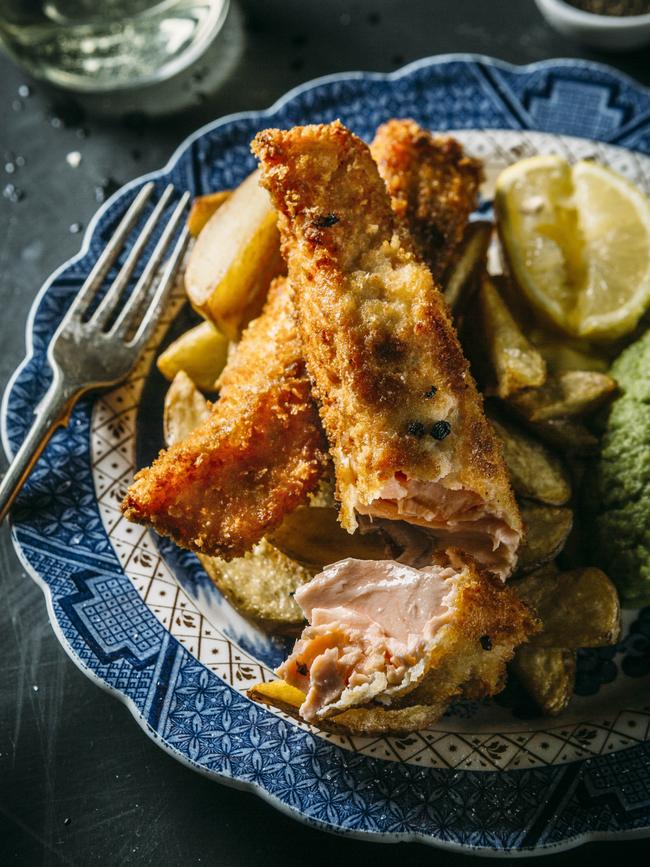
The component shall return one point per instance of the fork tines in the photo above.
(124, 322)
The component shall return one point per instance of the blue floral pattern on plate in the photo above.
(113, 635)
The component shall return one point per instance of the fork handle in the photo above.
(52, 412)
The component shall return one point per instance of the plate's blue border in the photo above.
(110, 634)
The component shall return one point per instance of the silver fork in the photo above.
(95, 352)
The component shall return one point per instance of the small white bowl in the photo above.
(607, 32)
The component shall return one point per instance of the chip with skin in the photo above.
(565, 395)
(548, 676)
(579, 608)
(535, 471)
(515, 363)
(546, 529)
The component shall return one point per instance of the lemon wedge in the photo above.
(577, 241)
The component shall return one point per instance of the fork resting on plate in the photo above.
(96, 350)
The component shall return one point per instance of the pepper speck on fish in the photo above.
(440, 430)
(416, 429)
(326, 221)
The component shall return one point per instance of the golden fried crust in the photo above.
(370, 720)
(375, 330)
(490, 623)
(232, 480)
(433, 187)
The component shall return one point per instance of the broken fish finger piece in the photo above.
(378, 629)
(222, 488)
(433, 185)
(404, 420)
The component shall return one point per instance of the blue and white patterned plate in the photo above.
(141, 618)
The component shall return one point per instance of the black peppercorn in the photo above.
(416, 429)
(326, 221)
(440, 430)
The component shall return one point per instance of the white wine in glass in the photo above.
(104, 45)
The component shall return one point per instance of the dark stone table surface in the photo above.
(79, 781)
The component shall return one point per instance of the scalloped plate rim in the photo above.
(294, 813)
(218, 776)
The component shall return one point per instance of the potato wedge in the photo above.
(546, 529)
(535, 472)
(184, 409)
(567, 394)
(279, 694)
(577, 609)
(459, 280)
(568, 435)
(234, 259)
(260, 585)
(202, 208)
(547, 674)
(516, 364)
(201, 352)
(563, 353)
(313, 537)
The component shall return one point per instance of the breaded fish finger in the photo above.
(433, 187)
(404, 420)
(258, 455)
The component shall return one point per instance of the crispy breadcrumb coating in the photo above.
(397, 400)
(257, 365)
(433, 187)
(468, 658)
(262, 450)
